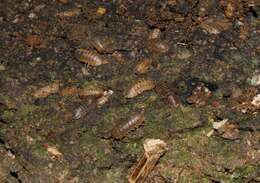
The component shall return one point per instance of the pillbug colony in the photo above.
(96, 57)
(106, 75)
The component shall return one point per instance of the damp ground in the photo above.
(204, 52)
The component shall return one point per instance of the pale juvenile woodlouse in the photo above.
(102, 100)
(155, 34)
(90, 57)
(139, 87)
(121, 130)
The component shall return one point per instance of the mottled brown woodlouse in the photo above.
(96, 43)
(139, 87)
(47, 90)
(90, 57)
(121, 130)
(102, 45)
(143, 66)
(68, 91)
(163, 90)
(158, 46)
(90, 92)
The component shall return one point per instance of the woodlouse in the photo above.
(167, 94)
(121, 130)
(90, 92)
(102, 100)
(139, 87)
(155, 34)
(200, 95)
(89, 57)
(143, 66)
(158, 46)
(103, 45)
(47, 90)
(69, 91)
(97, 44)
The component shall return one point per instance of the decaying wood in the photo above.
(154, 149)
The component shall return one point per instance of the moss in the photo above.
(28, 110)
(185, 117)
(108, 176)
(97, 148)
(244, 172)
(163, 118)
(2, 44)
(194, 178)
(92, 84)
(178, 154)
(3, 131)
(107, 121)
(133, 147)
(7, 115)
(115, 175)
(144, 101)
(52, 76)
(40, 150)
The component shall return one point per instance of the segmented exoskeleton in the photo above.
(90, 57)
(167, 94)
(139, 87)
(121, 130)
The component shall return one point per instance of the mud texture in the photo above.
(58, 107)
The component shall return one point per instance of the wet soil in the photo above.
(204, 62)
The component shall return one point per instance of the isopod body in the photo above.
(155, 34)
(167, 95)
(90, 92)
(47, 90)
(139, 87)
(98, 45)
(143, 66)
(89, 57)
(103, 45)
(102, 100)
(121, 130)
(158, 46)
